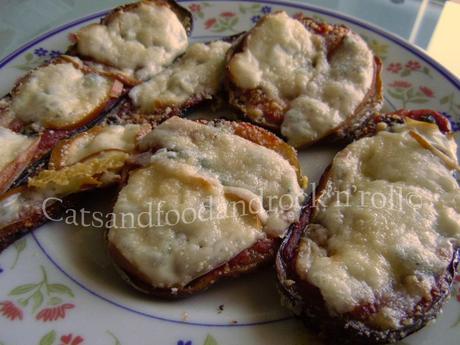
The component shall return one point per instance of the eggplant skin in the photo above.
(273, 111)
(305, 299)
(261, 254)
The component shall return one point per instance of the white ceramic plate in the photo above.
(57, 285)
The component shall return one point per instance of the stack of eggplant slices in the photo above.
(112, 113)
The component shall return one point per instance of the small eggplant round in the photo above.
(273, 111)
(306, 300)
(184, 16)
(260, 254)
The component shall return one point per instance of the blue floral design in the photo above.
(266, 9)
(455, 124)
(182, 342)
(255, 19)
(1, 270)
(41, 52)
(54, 54)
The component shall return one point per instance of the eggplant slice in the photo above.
(306, 80)
(194, 78)
(215, 170)
(79, 165)
(135, 41)
(376, 273)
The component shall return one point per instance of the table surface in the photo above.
(414, 20)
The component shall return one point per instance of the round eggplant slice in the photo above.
(61, 95)
(135, 41)
(225, 173)
(306, 80)
(183, 15)
(373, 256)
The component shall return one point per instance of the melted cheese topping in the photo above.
(174, 248)
(235, 162)
(12, 145)
(387, 227)
(290, 64)
(115, 137)
(226, 181)
(59, 95)
(139, 41)
(198, 73)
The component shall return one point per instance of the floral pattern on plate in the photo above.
(44, 300)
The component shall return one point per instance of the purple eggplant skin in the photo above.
(305, 299)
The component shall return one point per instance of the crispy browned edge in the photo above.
(127, 112)
(273, 111)
(260, 254)
(306, 300)
(49, 137)
(182, 13)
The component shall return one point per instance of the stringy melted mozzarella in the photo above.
(59, 95)
(139, 41)
(212, 173)
(388, 229)
(198, 73)
(12, 145)
(290, 64)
